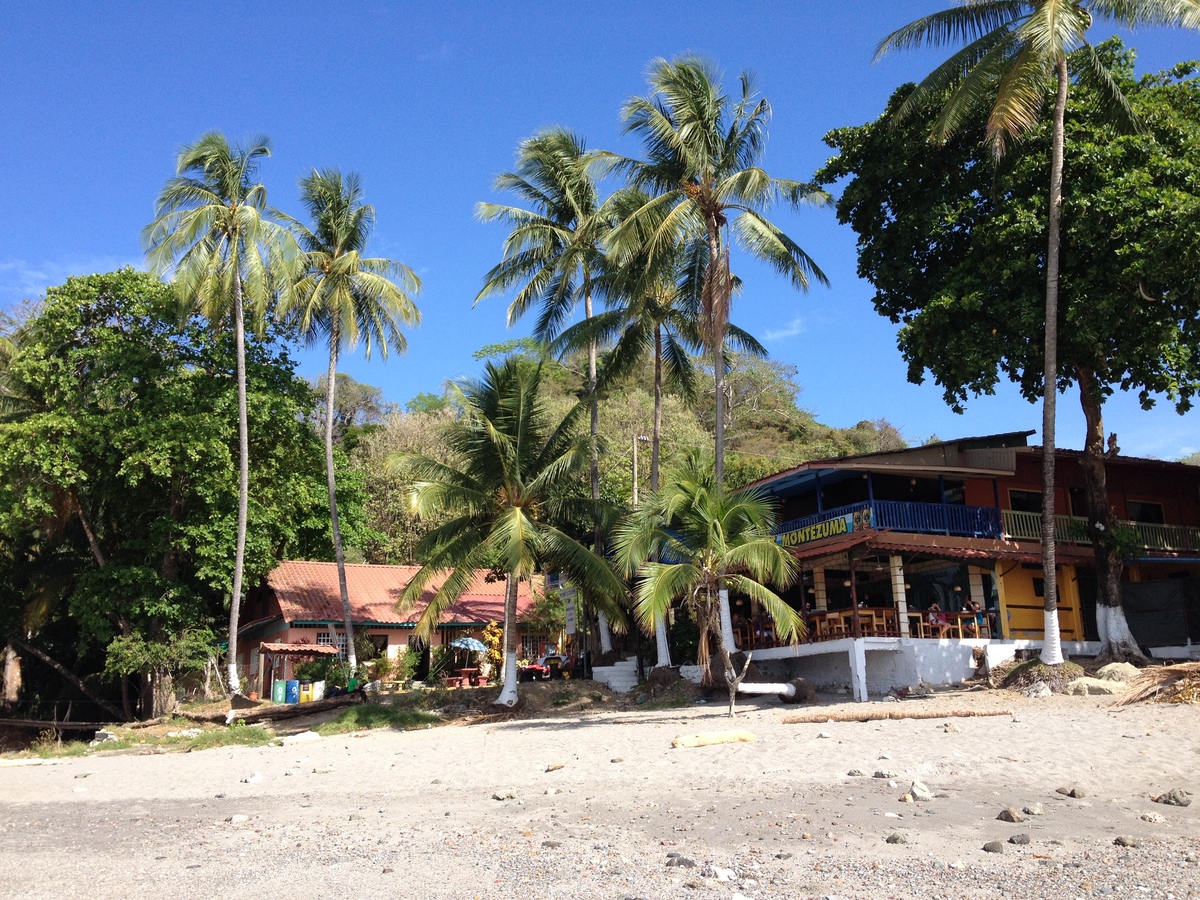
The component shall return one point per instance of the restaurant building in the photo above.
(299, 603)
(883, 537)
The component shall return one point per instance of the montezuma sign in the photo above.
(855, 521)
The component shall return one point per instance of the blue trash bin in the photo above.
(293, 692)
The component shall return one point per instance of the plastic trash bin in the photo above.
(293, 692)
(278, 691)
(306, 692)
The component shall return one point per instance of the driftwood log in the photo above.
(881, 714)
(275, 712)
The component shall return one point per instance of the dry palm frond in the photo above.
(1177, 684)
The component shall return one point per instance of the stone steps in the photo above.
(620, 678)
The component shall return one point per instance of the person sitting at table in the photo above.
(938, 620)
(972, 626)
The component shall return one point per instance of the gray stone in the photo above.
(1175, 797)
(856, 773)
(1153, 818)
(237, 819)
(884, 773)
(1010, 814)
(1118, 671)
(897, 837)
(951, 728)
(920, 793)
(993, 847)
(504, 795)
(617, 759)
(1082, 687)
(1126, 840)
(551, 845)
(1033, 809)
(681, 862)
(1019, 839)
(1038, 690)
(1073, 791)
(783, 856)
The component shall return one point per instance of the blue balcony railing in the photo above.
(916, 518)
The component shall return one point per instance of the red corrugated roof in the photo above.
(300, 649)
(308, 592)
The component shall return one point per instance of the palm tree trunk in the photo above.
(338, 554)
(1116, 640)
(660, 624)
(239, 557)
(508, 694)
(594, 411)
(1051, 640)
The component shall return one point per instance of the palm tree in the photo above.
(346, 297)
(653, 303)
(510, 501)
(553, 255)
(1013, 47)
(216, 234)
(707, 540)
(703, 171)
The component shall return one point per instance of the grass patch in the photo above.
(668, 703)
(367, 716)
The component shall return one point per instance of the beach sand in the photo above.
(415, 814)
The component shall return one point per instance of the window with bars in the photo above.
(330, 639)
(531, 645)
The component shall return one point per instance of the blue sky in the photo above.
(428, 102)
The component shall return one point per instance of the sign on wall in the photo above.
(850, 522)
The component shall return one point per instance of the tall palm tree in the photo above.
(707, 540)
(553, 255)
(1013, 49)
(345, 298)
(703, 171)
(510, 501)
(215, 233)
(653, 302)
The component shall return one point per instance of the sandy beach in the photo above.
(601, 805)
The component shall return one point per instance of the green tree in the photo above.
(511, 503)
(553, 255)
(215, 233)
(1013, 48)
(708, 540)
(704, 177)
(117, 495)
(345, 298)
(953, 247)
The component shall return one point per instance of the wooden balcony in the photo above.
(915, 518)
(1027, 526)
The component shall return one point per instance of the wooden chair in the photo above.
(835, 625)
(917, 625)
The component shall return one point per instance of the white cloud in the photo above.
(21, 280)
(793, 328)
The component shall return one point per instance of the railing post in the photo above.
(900, 595)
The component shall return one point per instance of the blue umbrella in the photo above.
(469, 643)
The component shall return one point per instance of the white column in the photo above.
(822, 601)
(900, 595)
(858, 669)
(975, 579)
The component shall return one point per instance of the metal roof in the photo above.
(309, 592)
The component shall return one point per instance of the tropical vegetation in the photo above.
(1012, 49)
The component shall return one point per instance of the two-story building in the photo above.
(883, 537)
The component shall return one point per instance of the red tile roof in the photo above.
(308, 592)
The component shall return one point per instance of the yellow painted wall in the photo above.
(1021, 610)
